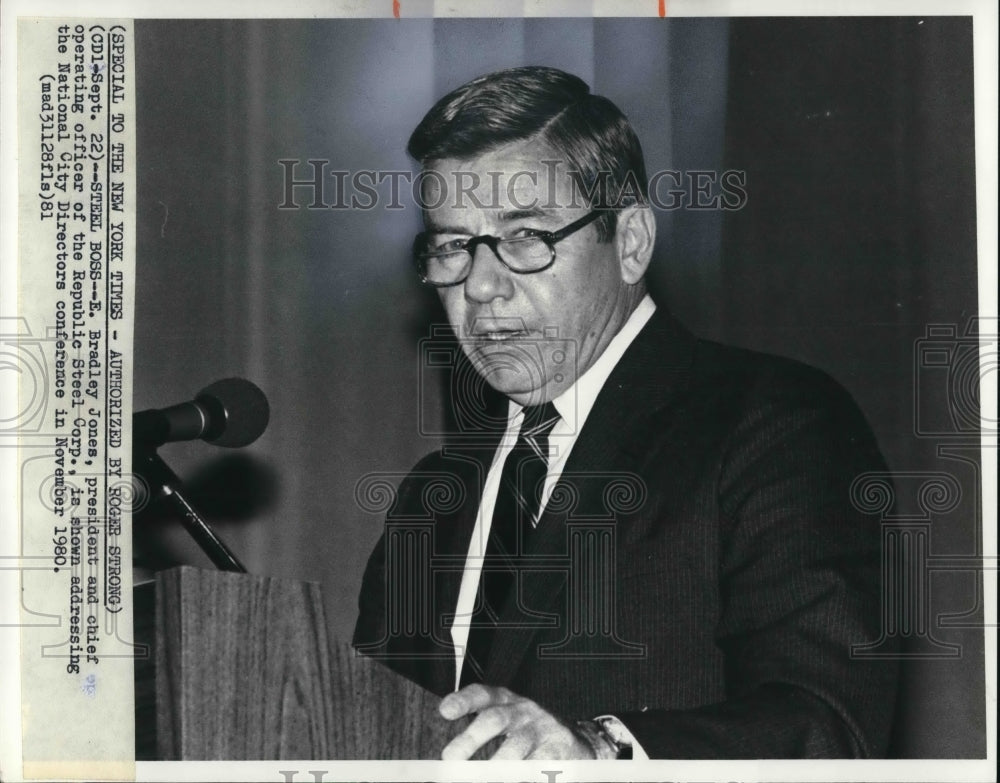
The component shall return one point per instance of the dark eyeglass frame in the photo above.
(550, 238)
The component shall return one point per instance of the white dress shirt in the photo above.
(573, 406)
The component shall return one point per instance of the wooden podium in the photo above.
(240, 667)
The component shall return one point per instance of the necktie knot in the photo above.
(539, 421)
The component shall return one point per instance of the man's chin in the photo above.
(515, 381)
(512, 384)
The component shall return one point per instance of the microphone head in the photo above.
(238, 412)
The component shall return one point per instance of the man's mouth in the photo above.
(499, 335)
(498, 329)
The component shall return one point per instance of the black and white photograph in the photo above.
(562, 390)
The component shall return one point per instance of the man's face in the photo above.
(529, 335)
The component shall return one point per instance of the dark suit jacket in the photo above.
(700, 571)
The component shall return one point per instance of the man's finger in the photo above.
(472, 698)
(488, 724)
(516, 747)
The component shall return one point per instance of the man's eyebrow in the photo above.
(510, 215)
(506, 216)
(448, 230)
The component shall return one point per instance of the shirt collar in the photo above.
(574, 404)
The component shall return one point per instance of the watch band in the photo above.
(610, 725)
(605, 745)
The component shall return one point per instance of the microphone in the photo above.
(232, 412)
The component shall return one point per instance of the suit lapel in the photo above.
(615, 440)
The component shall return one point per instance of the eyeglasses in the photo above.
(449, 263)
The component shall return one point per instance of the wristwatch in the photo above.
(605, 738)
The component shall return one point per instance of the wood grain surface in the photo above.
(244, 670)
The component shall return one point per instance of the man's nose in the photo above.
(489, 278)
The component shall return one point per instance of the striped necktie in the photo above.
(514, 518)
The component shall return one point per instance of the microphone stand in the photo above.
(168, 487)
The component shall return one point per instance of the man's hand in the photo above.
(529, 731)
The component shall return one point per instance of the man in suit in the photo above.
(648, 546)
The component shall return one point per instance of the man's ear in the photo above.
(635, 236)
